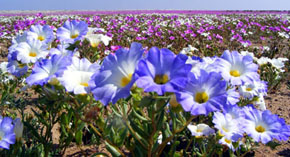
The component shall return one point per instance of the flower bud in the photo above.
(18, 128)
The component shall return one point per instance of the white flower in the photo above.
(92, 30)
(227, 125)
(188, 50)
(266, 48)
(283, 35)
(95, 39)
(260, 102)
(106, 39)
(245, 44)
(76, 78)
(249, 90)
(3, 67)
(227, 141)
(3, 70)
(245, 53)
(200, 130)
(263, 61)
(205, 34)
(278, 63)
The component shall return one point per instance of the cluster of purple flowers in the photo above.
(201, 85)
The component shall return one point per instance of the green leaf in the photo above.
(122, 136)
(139, 130)
(140, 117)
(78, 137)
(33, 130)
(81, 125)
(160, 120)
(112, 149)
(273, 144)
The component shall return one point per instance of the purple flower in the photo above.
(171, 37)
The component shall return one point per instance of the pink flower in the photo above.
(171, 37)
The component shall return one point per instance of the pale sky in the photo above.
(144, 4)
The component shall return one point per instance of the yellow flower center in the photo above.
(32, 54)
(260, 129)
(126, 80)
(41, 38)
(161, 79)
(85, 84)
(228, 141)
(235, 73)
(198, 130)
(201, 97)
(73, 36)
(94, 44)
(249, 89)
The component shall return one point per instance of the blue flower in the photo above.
(236, 68)
(48, 69)
(7, 135)
(162, 71)
(117, 75)
(41, 33)
(14, 67)
(72, 31)
(233, 96)
(263, 126)
(62, 50)
(17, 40)
(235, 111)
(203, 94)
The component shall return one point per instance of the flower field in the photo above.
(145, 83)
